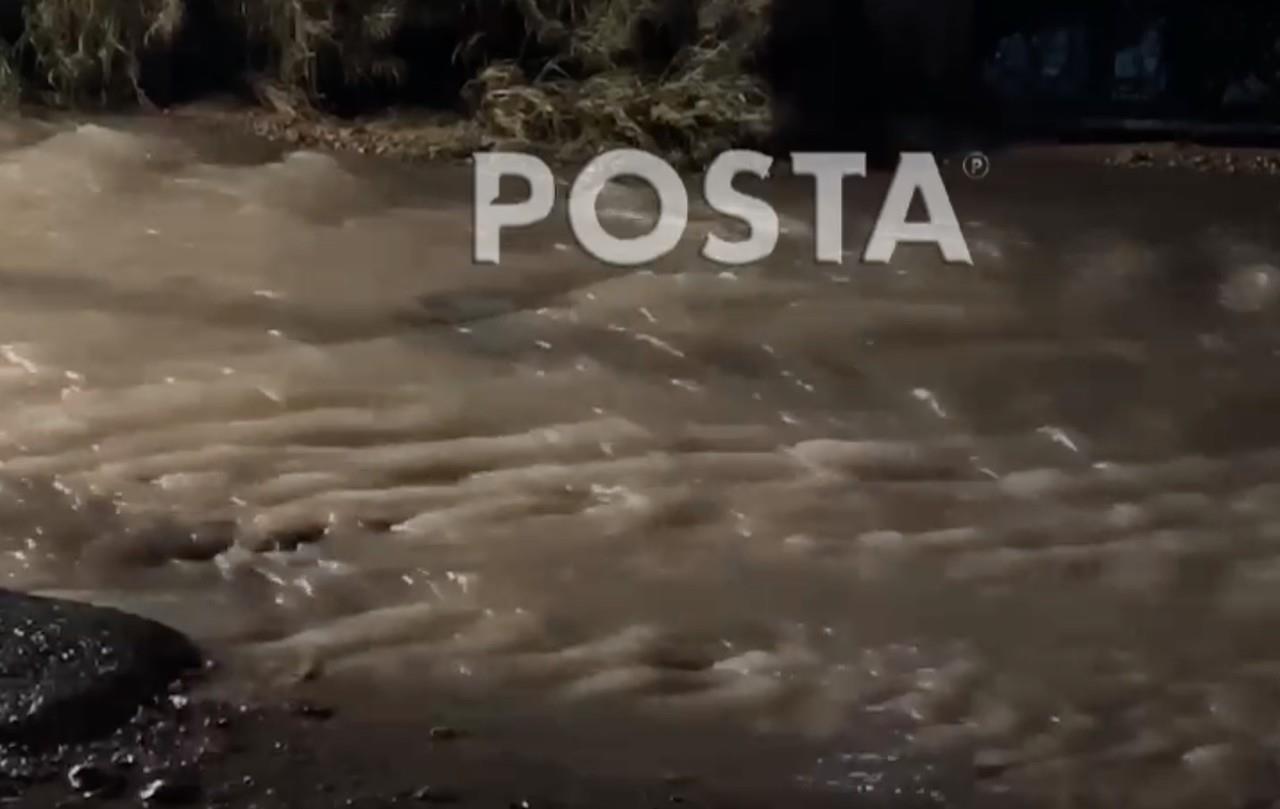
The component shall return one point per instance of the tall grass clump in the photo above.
(571, 76)
(673, 77)
(311, 43)
(91, 50)
(10, 78)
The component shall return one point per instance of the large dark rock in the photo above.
(71, 671)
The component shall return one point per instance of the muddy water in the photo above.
(1021, 518)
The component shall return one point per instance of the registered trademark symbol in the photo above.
(976, 166)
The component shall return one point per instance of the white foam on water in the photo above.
(276, 405)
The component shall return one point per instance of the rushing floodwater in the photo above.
(1025, 515)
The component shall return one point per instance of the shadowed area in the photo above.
(71, 671)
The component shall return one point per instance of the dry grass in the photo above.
(91, 49)
(299, 33)
(704, 101)
(574, 86)
(10, 80)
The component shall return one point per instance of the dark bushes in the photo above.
(664, 74)
(686, 77)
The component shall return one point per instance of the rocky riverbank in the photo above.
(78, 679)
(102, 708)
(304, 756)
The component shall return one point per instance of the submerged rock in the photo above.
(71, 671)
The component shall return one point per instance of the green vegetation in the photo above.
(695, 104)
(571, 76)
(86, 49)
(566, 77)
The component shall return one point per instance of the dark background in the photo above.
(1032, 67)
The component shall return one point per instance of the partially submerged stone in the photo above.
(71, 671)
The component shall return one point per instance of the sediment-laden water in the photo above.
(1021, 517)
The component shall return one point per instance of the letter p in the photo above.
(490, 217)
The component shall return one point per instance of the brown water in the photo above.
(1023, 516)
